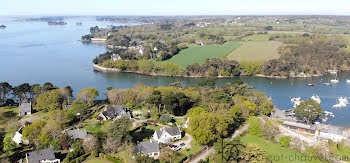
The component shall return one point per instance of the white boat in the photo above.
(348, 80)
(328, 114)
(334, 81)
(342, 102)
(327, 83)
(316, 98)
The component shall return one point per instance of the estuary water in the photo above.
(35, 52)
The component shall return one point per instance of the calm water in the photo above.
(35, 52)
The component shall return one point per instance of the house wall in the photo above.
(334, 137)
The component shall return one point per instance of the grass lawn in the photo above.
(256, 52)
(280, 154)
(194, 149)
(97, 160)
(257, 37)
(199, 54)
(125, 155)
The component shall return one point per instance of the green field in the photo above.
(256, 38)
(256, 52)
(199, 54)
(274, 151)
(96, 160)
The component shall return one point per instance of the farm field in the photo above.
(256, 52)
(199, 54)
(257, 38)
(275, 151)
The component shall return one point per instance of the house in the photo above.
(42, 156)
(309, 129)
(150, 149)
(114, 112)
(25, 109)
(116, 57)
(77, 134)
(334, 133)
(17, 138)
(165, 135)
(155, 49)
(141, 50)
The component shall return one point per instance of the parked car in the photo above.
(182, 144)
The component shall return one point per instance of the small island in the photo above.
(2, 26)
(56, 23)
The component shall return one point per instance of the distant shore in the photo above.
(104, 69)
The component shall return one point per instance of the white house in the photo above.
(25, 109)
(18, 136)
(115, 57)
(165, 135)
(334, 133)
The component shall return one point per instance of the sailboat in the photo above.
(335, 80)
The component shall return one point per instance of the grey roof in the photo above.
(300, 125)
(333, 130)
(171, 130)
(37, 156)
(77, 134)
(146, 147)
(25, 107)
(115, 111)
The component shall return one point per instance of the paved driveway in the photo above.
(187, 142)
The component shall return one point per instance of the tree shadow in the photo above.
(141, 134)
(9, 114)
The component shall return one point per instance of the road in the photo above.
(208, 152)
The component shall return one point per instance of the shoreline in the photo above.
(104, 69)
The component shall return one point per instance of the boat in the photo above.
(334, 81)
(348, 80)
(310, 85)
(316, 98)
(342, 102)
(327, 83)
(2, 26)
(328, 114)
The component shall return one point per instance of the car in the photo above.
(182, 144)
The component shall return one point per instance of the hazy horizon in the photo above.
(173, 8)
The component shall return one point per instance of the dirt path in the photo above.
(208, 152)
(187, 142)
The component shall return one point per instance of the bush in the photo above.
(94, 154)
(113, 159)
(284, 141)
(255, 126)
(102, 155)
(165, 118)
(80, 159)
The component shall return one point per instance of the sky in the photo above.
(174, 7)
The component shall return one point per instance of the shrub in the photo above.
(113, 159)
(284, 141)
(255, 126)
(94, 154)
(165, 118)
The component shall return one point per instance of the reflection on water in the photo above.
(36, 53)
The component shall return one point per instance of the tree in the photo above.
(48, 86)
(90, 144)
(254, 154)
(144, 159)
(165, 118)
(9, 144)
(32, 132)
(5, 90)
(284, 141)
(50, 100)
(196, 111)
(118, 131)
(78, 108)
(309, 111)
(87, 95)
(255, 126)
(22, 90)
(207, 128)
(207, 83)
(155, 99)
(45, 141)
